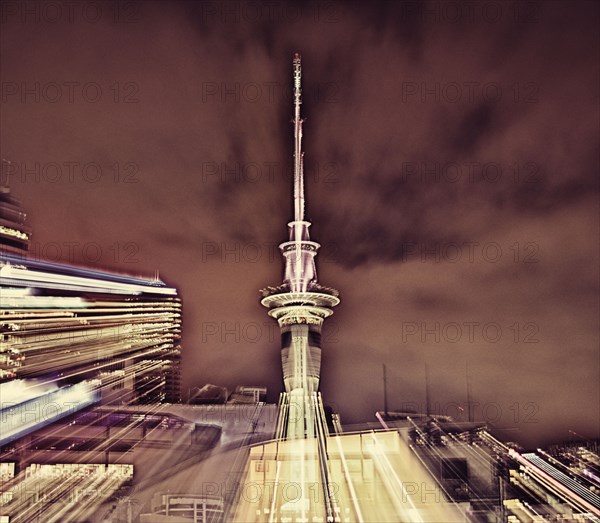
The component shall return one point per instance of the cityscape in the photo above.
(182, 182)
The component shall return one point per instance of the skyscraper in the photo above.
(75, 336)
(300, 304)
(14, 233)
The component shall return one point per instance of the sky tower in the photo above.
(300, 305)
(307, 473)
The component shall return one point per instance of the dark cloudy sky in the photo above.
(452, 179)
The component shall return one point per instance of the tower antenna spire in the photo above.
(298, 154)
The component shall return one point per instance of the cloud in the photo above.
(434, 145)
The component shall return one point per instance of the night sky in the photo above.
(451, 158)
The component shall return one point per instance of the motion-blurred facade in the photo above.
(74, 336)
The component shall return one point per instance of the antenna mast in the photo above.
(298, 154)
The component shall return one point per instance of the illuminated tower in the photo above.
(300, 305)
(307, 473)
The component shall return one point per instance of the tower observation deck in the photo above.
(300, 304)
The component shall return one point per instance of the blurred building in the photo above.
(209, 463)
(63, 324)
(248, 394)
(501, 482)
(140, 463)
(73, 336)
(211, 394)
(207, 395)
(15, 235)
